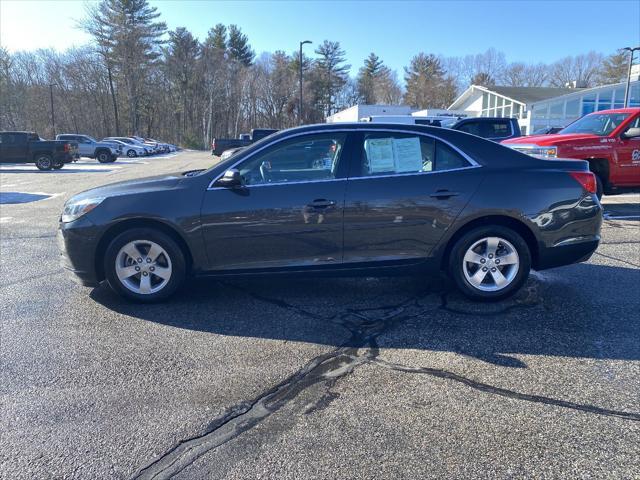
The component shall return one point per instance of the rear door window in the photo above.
(386, 154)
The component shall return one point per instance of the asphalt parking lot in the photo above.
(312, 378)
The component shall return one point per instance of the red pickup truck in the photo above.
(609, 140)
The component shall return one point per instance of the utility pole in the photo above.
(53, 116)
(300, 106)
(631, 50)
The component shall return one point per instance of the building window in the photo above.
(485, 101)
(555, 110)
(604, 99)
(572, 110)
(588, 104)
(540, 110)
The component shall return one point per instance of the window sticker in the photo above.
(380, 154)
(408, 155)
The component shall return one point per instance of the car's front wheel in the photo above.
(104, 157)
(490, 263)
(145, 265)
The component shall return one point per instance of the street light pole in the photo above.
(626, 90)
(53, 116)
(300, 105)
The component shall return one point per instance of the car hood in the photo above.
(150, 184)
(551, 139)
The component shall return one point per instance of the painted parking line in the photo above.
(9, 198)
(68, 168)
(621, 217)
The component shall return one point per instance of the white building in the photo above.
(534, 107)
(539, 107)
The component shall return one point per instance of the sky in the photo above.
(529, 31)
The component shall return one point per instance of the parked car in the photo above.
(155, 147)
(342, 199)
(547, 130)
(609, 140)
(219, 145)
(90, 147)
(28, 147)
(130, 148)
(491, 128)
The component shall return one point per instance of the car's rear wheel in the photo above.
(44, 162)
(131, 153)
(145, 265)
(490, 263)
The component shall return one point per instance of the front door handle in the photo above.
(321, 203)
(443, 194)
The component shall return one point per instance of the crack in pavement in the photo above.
(327, 369)
(503, 392)
(618, 259)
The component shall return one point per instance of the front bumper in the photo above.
(77, 242)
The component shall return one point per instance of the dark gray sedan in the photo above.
(340, 199)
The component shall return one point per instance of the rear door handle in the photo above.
(443, 194)
(321, 203)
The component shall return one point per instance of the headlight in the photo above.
(74, 210)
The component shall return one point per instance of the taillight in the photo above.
(587, 180)
(67, 147)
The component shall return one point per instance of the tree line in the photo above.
(138, 78)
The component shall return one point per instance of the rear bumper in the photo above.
(576, 251)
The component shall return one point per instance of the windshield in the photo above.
(600, 124)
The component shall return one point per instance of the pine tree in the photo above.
(130, 37)
(217, 38)
(181, 58)
(238, 46)
(332, 73)
(614, 68)
(423, 78)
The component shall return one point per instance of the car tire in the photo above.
(135, 276)
(472, 265)
(44, 162)
(104, 157)
(131, 153)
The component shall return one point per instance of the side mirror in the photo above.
(231, 178)
(631, 133)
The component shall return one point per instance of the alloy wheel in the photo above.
(491, 264)
(143, 267)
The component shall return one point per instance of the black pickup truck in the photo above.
(219, 145)
(491, 128)
(28, 147)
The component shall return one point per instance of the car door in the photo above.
(627, 154)
(287, 212)
(402, 195)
